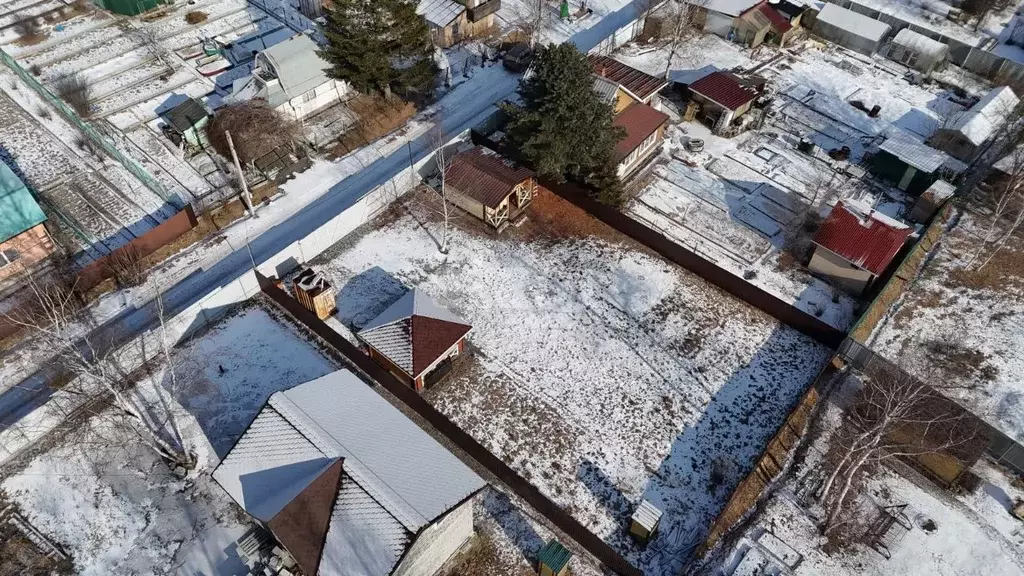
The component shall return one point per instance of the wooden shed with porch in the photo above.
(489, 186)
(415, 339)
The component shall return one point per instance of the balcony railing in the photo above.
(483, 10)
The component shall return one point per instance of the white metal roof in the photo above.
(440, 13)
(980, 122)
(298, 66)
(940, 190)
(852, 22)
(921, 44)
(916, 154)
(727, 7)
(396, 477)
(646, 515)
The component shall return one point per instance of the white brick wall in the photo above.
(438, 542)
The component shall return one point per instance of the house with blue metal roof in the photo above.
(24, 240)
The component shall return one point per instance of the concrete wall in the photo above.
(437, 542)
(838, 271)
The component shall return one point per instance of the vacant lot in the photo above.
(601, 373)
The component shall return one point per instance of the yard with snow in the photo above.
(601, 373)
(962, 322)
(117, 508)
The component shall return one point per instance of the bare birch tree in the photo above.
(683, 22)
(443, 158)
(1002, 203)
(100, 373)
(893, 415)
(148, 39)
(529, 19)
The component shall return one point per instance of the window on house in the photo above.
(8, 257)
(309, 96)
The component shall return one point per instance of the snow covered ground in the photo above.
(116, 508)
(966, 325)
(602, 374)
(931, 14)
(514, 14)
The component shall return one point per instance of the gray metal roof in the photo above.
(297, 65)
(396, 478)
(921, 44)
(914, 153)
(727, 7)
(982, 120)
(606, 89)
(646, 515)
(440, 13)
(852, 22)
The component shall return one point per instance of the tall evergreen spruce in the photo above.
(379, 46)
(562, 127)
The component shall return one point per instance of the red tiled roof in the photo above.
(484, 176)
(779, 22)
(640, 121)
(723, 88)
(862, 236)
(640, 84)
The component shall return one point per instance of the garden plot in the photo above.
(34, 9)
(114, 506)
(167, 165)
(601, 373)
(693, 60)
(68, 35)
(965, 325)
(737, 210)
(249, 19)
(174, 23)
(137, 92)
(132, 116)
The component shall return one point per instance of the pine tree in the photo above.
(562, 127)
(379, 46)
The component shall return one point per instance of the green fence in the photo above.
(89, 132)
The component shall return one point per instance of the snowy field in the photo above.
(966, 325)
(601, 373)
(116, 508)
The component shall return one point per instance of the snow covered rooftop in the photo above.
(920, 43)
(862, 236)
(727, 7)
(440, 13)
(414, 332)
(982, 120)
(297, 65)
(916, 154)
(850, 21)
(396, 478)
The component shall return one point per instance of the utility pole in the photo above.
(246, 198)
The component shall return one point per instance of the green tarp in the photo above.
(18, 209)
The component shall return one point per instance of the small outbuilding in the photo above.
(630, 85)
(489, 187)
(752, 26)
(451, 22)
(187, 121)
(964, 135)
(718, 17)
(644, 523)
(910, 165)
(315, 293)
(931, 200)
(855, 245)
(553, 559)
(415, 339)
(720, 99)
(917, 51)
(851, 29)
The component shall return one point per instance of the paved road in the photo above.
(459, 111)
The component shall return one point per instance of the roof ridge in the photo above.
(412, 522)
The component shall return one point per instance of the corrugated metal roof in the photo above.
(727, 7)
(724, 89)
(639, 121)
(981, 121)
(18, 209)
(862, 236)
(916, 154)
(939, 191)
(485, 176)
(606, 90)
(640, 84)
(776, 18)
(921, 44)
(852, 22)
(398, 464)
(554, 556)
(298, 66)
(440, 13)
(646, 515)
(414, 332)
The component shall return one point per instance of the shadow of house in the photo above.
(517, 527)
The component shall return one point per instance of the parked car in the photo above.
(518, 58)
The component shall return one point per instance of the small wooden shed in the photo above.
(553, 560)
(644, 522)
(315, 293)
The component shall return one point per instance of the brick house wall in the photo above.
(24, 251)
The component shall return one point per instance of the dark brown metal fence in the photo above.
(782, 311)
(541, 503)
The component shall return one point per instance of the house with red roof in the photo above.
(645, 130)
(855, 245)
(622, 85)
(489, 186)
(415, 339)
(718, 99)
